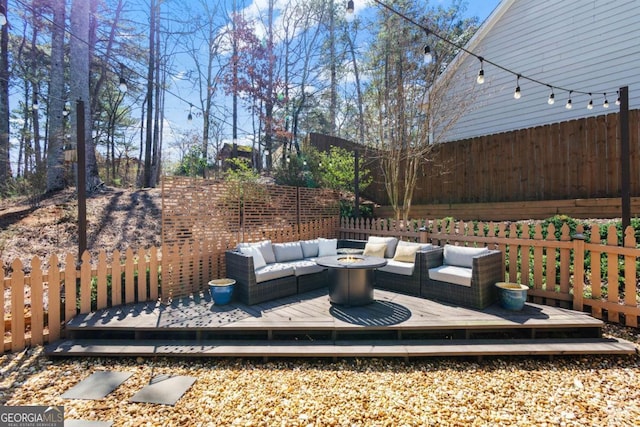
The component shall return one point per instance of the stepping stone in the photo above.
(164, 390)
(97, 385)
(87, 423)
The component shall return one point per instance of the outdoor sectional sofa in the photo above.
(265, 271)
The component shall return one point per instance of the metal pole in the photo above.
(82, 180)
(356, 183)
(625, 168)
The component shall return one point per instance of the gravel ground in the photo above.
(568, 391)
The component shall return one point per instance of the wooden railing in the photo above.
(579, 271)
(563, 270)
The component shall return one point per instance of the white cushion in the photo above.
(398, 267)
(309, 248)
(391, 242)
(375, 249)
(254, 252)
(265, 248)
(451, 274)
(273, 271)
(327, 247)
(287, 251)
(461, 256)
(305, 266)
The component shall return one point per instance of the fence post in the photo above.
(424, 234)
(578, 271)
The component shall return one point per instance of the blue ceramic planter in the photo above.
(512, 295)
(221, 290)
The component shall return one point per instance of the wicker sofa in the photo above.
(462, 275)
(266, 271)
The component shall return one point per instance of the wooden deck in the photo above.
(308, 325)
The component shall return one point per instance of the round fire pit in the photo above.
(351, 278)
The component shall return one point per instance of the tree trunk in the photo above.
(55, 148)
(5, 165)
(147, 180)
(79, 82)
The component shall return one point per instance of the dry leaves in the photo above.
(581, 391)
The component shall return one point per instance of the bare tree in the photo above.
(405, 104)
(5, 165)
(79, 81)
(55, 148)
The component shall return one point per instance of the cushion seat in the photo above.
(398, 267)
(451, 274)
(273, 271)
(305, 266)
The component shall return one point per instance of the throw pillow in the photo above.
(375, 249)
(390, 241)
(327, 247)
(406, 253)
(254, 252)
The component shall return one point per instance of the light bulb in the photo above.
(605, 104)
(350, 7)
(590, 105)
(480, 78)
(190, 116)
(3, 19)
(123, 85)
(517, 93)
(552, 98)
(568, 105)
(428, 57)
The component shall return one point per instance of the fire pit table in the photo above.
(351, 278)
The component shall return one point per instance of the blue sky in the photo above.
(480, 8)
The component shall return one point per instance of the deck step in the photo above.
(337, 349)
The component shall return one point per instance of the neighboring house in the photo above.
(244, 152)
(591, 46)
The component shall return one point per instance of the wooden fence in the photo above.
(577, 159)
(559, 269)
(585, 271)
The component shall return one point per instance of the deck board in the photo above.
(314, 311)
(308, 325)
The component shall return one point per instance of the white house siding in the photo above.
(591, 46)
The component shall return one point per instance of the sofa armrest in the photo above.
(240, 268)
(487, 269)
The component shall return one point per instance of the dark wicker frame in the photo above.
(486, 272)
(410, 285)
(240, 268)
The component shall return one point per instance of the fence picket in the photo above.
(85, 283)
(116, 279)
(53, 289)
(612, 274)
(101, 272)
(70, 291)
(36, 306)
(17, 306)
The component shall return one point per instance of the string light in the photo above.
(350, 6)
(480, 78)
(605, 104)
(428, 57)
(65, 110)
(35, 105)
(618, 98)
(122, 86)
(590, 104)
(3, 17)
(517, 94)
(190, 116)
